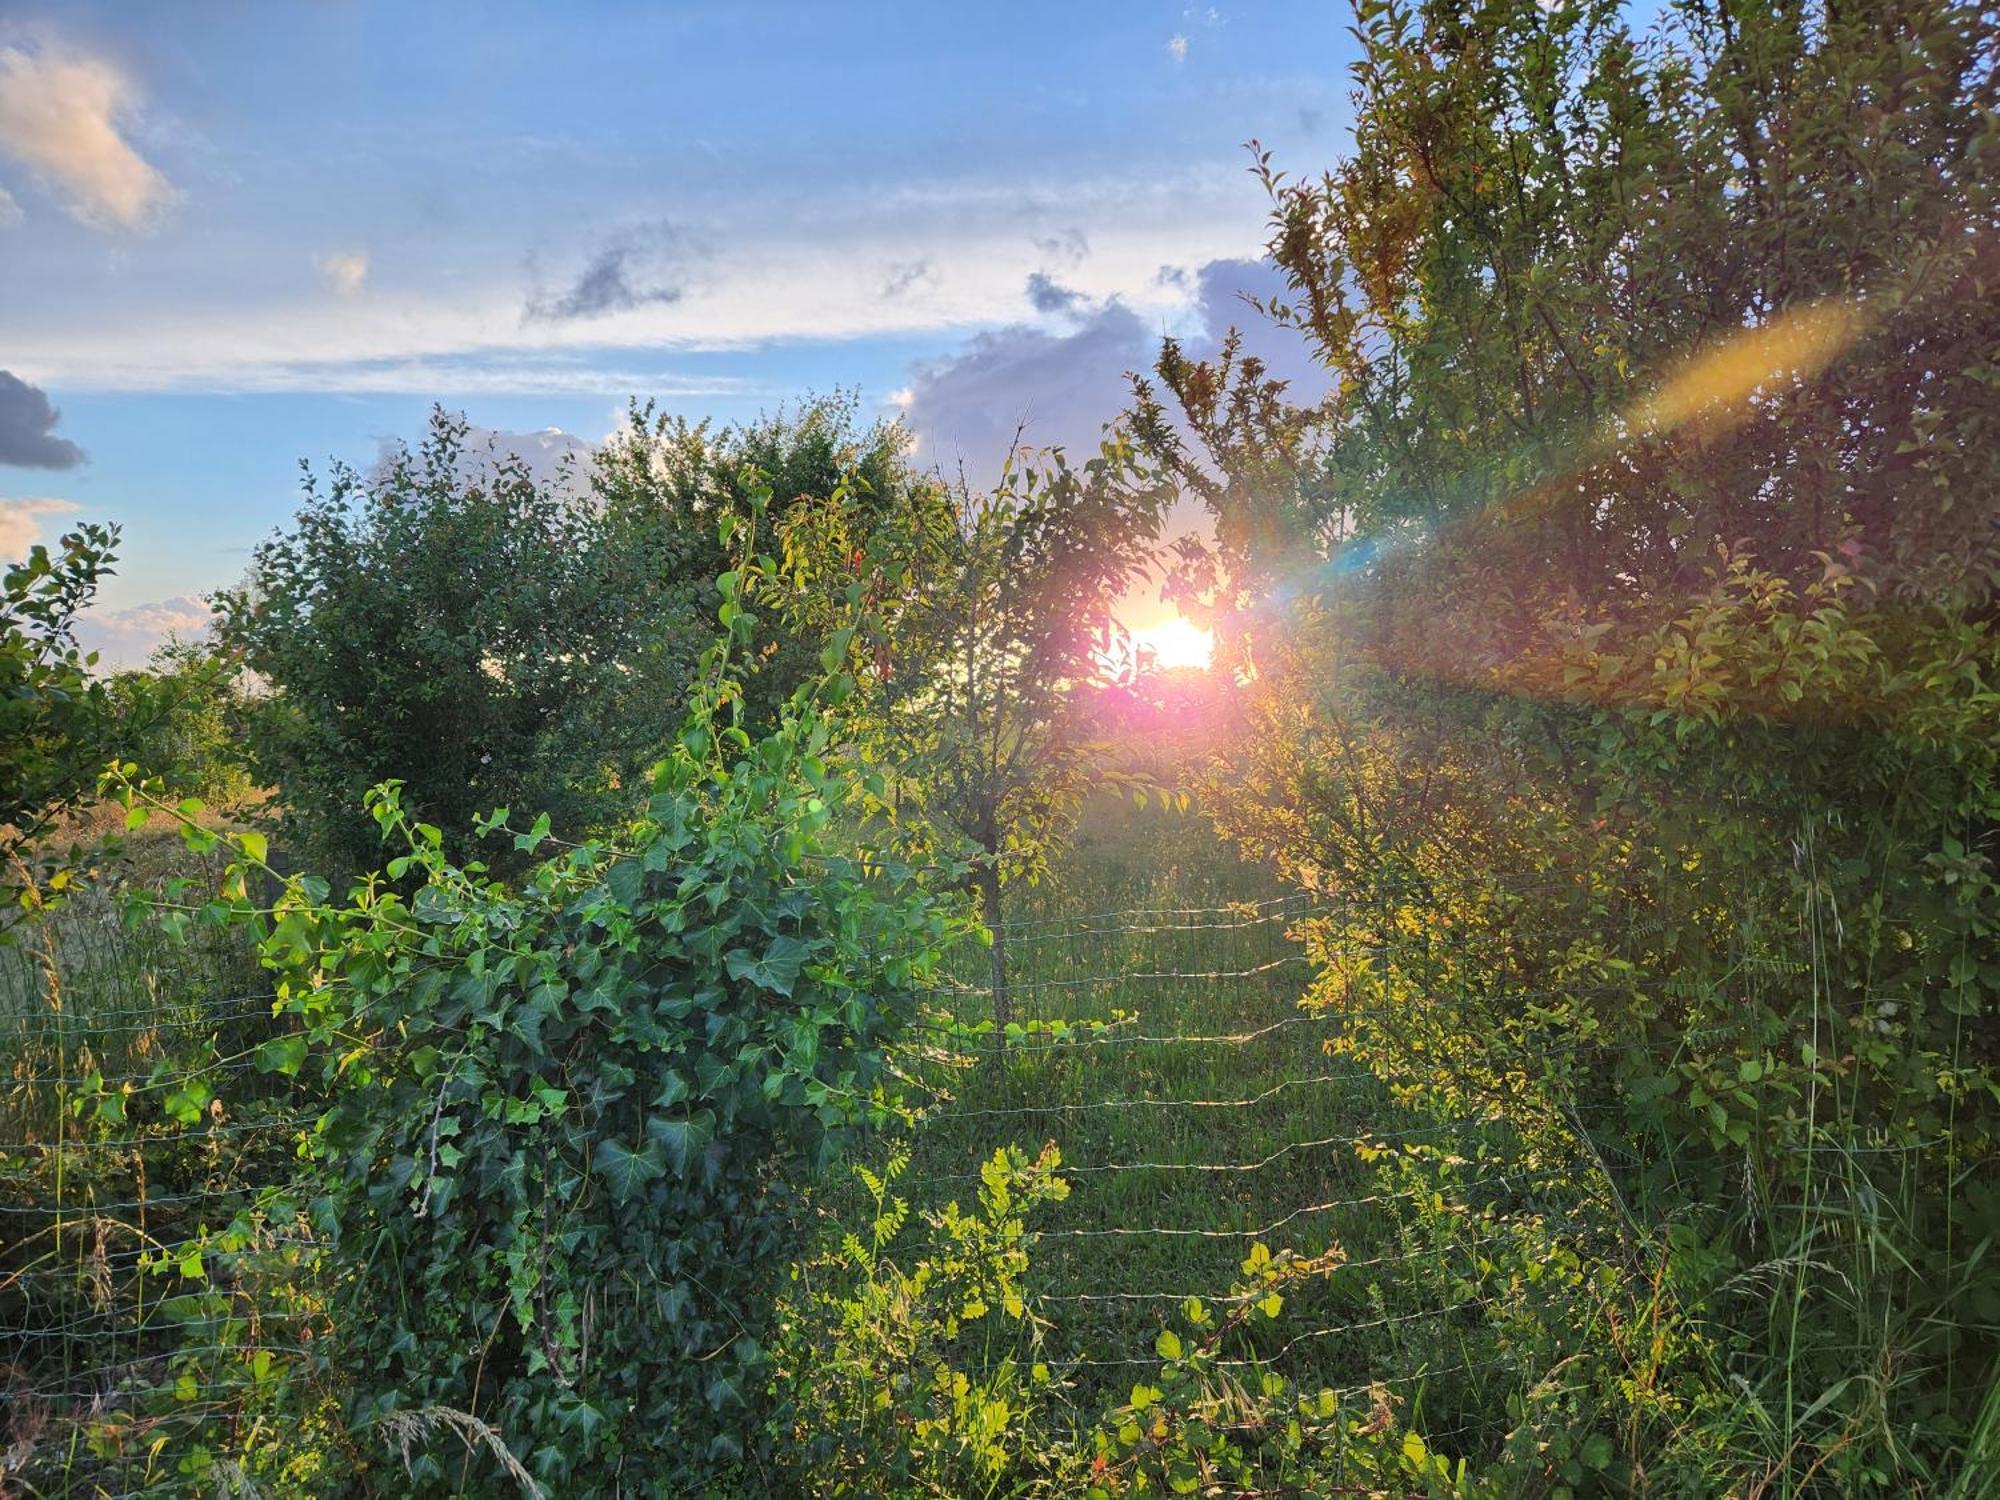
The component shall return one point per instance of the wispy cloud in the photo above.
(10, 211)
(1045, 295)
(1071, 247)
(905, 274)
(816, 273)
(1177, 46)
(472, 374)
(28, 428)
(61, 116)
(21, 523)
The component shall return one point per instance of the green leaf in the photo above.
(187, 1102)
(682, 1140)
(627, 880)
(778, 969)
(282, 1054)
(627, 1172)
(1168, 1344)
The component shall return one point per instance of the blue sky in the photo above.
(238, 235)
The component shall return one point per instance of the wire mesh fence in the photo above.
(153, 1276)
(137, 1303)
(1202, 1112)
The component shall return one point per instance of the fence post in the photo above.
(989, 889)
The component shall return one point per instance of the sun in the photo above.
(1173, 642)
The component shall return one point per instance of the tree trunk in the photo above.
(989, 890)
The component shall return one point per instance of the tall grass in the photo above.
(132, 1129)
(1191, 961)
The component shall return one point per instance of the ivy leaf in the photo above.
(683, 1140)
(627, 881)
(625, 1171)
(777, 971)
(187, 1102)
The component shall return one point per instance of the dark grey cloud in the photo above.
(643, 265)
(1068, 246)
(1224, 291)
(1053, 390)
(1058, 389)
(27, 428)
(905, 274)
(1045, 295)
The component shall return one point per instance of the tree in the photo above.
(451, 622)
(53, 720)
(672, 480)
(184, 718)
(994, 611)
(1624, 643)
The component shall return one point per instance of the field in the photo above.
(1162, 1050)
(132, 1128)
(1206, 1112)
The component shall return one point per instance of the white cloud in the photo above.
(1058, 388)
(21, 523)
(345, 271)
(10, 211)
(129, 637)
(819, 275)
(60, 114)
(554, 458)
(1177, 47)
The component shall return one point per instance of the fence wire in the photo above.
(1198, 1108)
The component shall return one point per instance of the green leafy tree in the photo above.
(456, 624)
(673, 480)
(54, 738)
(994, 615)
(1623, 645)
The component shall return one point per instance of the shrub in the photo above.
(52, 715)
(909, 1370)
(922, 1380)
(455, 622)
(569, 1119)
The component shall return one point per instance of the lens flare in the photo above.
(1711, 392)
(1173, 643)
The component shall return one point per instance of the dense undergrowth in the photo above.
(1556, 1055)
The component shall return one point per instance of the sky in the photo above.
(235, 236)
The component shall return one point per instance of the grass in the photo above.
(1206, 1060)
(130, 1126)
(1153, 926)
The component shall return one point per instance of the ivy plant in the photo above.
(569, 1118)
